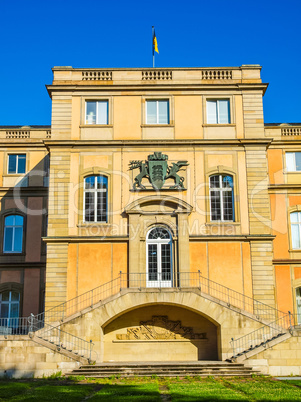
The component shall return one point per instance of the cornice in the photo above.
(286, 261)
(151, 143)
(84, 239)
(283, 187)
(70, 86)
(246, 238)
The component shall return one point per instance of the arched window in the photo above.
(9, 308)
(13, 234)
(95, 199)
(298, 302)
(221, 198)
(295, 229)
(159, 258)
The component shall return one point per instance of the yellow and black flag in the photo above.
(155, 43)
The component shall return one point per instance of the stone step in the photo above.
(202, 369)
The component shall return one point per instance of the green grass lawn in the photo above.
(151, 389)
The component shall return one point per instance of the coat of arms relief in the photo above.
(157, 170)
(161, 328)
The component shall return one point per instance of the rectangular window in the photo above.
(97, 112)
(16, 163)
(157, 112)
(293, 161)
(218, 111)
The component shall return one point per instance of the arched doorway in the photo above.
(159, 258)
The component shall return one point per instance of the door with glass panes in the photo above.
(159, 258)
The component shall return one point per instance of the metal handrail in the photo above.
(64, 340)
(261, 336)
(207, 286)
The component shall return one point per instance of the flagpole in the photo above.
(153, 47)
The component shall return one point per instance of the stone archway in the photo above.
(160, 333)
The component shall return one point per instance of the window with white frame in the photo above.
(218, 111)
(295, 218)
(13, 234)
(221, 198)
(157, 111)
(96, 199)
(97, 112)
(9, 308)
(293, 161)
(16, 163)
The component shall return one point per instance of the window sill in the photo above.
(87, 224)
(294, 250)
(212, 223)
(157, 125)
(219, 125)
(96, 126)
(14, 175)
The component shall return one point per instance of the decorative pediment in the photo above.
(160, 328)
(158, 204)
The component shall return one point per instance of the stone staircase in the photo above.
(164, 369)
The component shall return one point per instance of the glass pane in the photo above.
(295, 236)
(89, 207)
(14, 310)
(17, 247)
(223, 112)
(163, 112)
(5, 296)
(101, 206)
(227, 182)
(215, 202)
(90, 182)
(5, 310)
(159, 233)
(151, 112)
(165, 262)
(15, 296)
(12, 163)
(8, 239)
(10, 220)
(21, 163)
(90, 112)
(152, 263)
(294, 217)
(290, 161)
(102, 112)
(228, 206)
(298, 161)
(18, 220)
(102, 182)
(214, 182)
(211, 112)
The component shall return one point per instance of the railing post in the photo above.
(92, 298)
(120, 280)
(31, 322)
(228, 296)
(90, 351)
(290, 319)
(233, 348)
(199, 272)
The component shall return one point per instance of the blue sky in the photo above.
(36, 35)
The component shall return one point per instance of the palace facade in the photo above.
(158, 217)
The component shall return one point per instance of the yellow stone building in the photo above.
(173, 222)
